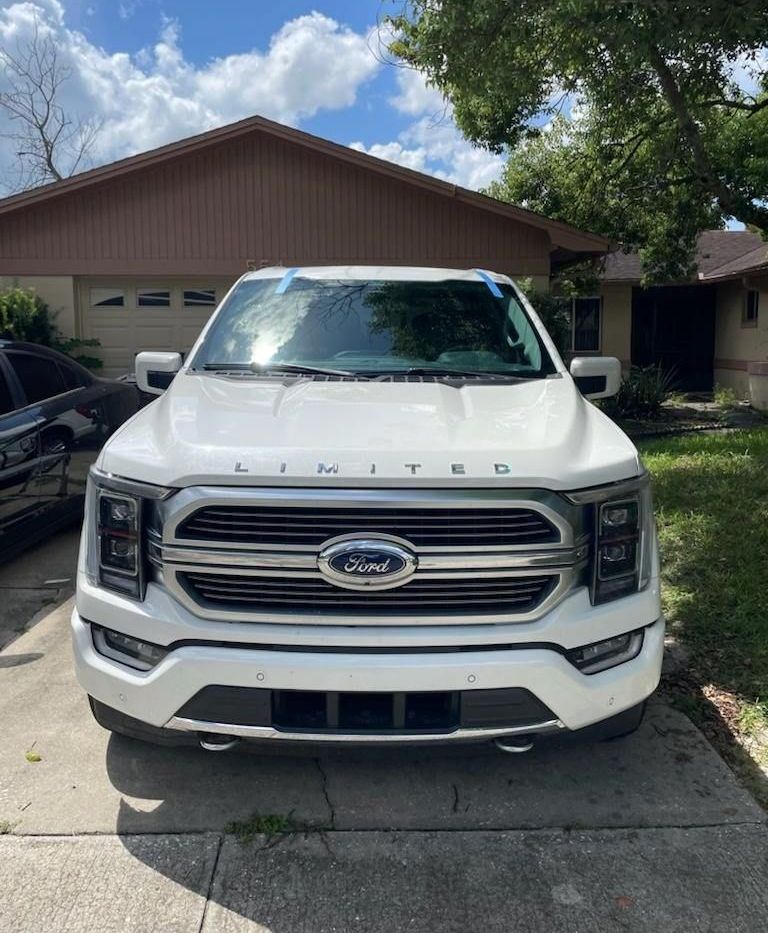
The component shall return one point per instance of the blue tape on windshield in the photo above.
(493, 288)
(285, 281)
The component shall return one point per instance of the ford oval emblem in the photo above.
(366, 563)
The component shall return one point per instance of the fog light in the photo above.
(601, 655)
(133, 652)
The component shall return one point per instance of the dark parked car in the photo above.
(54, 417)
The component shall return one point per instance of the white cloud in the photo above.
(312, 64)
(432, 143)
(415, 97)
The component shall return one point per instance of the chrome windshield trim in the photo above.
(268, 733)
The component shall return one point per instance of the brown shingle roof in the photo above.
(719, 254)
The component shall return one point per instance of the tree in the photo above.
(664, 140)
(50, 144)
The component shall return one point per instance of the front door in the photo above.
(674, 327)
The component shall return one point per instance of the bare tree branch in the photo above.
(49, 143)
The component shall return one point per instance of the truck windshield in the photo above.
(374, 327)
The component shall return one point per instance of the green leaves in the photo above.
(664, 143)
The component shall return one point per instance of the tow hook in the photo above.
(214, 742)
(515, 744)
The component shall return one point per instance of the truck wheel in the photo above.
(114, 721)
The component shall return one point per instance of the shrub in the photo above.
(25, 316)
(641, 394)
(725, 397)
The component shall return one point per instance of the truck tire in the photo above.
(114, 721)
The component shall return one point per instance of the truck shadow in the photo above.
(665, 774)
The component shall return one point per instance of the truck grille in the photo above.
(457, 595)
(422, 527)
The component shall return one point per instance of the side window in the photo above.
(72, 378)
(751, 307)
(39, 377)
(6, 400)
(586, 324)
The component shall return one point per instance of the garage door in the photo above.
(130, 315)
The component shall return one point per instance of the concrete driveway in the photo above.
(648, 833)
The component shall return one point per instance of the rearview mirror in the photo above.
(155, 371)
(596, 376)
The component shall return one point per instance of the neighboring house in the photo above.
(712, 330)
(138, 253)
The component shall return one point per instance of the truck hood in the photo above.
(216, 430)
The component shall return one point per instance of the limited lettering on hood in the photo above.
(337, 468)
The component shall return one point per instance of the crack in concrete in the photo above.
(209, 892)
(324, 787)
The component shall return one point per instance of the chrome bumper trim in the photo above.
(359, 738)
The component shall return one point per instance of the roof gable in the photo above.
(562, 235)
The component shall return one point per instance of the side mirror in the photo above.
(155, 371)
(596, 376)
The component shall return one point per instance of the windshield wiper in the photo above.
(296, 368)
(455, 373)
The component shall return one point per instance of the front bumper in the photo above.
(577, 700)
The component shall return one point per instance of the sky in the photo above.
(153, 71)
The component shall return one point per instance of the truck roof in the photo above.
(378, 273)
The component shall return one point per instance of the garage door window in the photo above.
(40, 378)
(153, 298)
(107, 298)
(199, 297)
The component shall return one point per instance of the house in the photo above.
(711, 331)
(137, 253)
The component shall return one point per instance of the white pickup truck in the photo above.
(371, 506)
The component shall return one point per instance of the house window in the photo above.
(199, 297)
(585, 324)
(107, 298)
(153, 298)
(751, 306)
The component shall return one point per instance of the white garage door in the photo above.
(127, 316)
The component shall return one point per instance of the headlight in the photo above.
(602, 655)
(623, 538)
(132, 652)
(116, 512)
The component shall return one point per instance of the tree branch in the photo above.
(729, 202)
(50, 143)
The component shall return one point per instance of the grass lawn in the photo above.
(711, 494)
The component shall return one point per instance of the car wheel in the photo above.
(56, 441)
